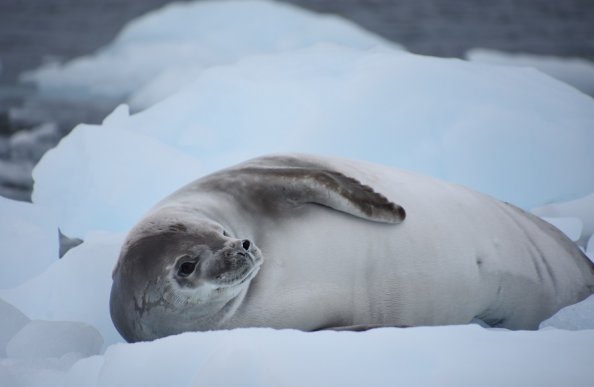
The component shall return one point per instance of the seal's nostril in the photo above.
(245, 244)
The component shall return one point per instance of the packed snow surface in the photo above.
(12, 321)
(54, 339)
(256, 77)
(75, 288)
(573, 317)
(439, 356)
(29, 243)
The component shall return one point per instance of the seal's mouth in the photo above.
(246, 272)
(251, 274)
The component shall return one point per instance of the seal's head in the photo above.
(179, 275)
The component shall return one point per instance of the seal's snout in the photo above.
(241, 246)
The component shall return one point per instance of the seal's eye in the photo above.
(225, 233)
(186, 268)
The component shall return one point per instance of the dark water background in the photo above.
(36, 31)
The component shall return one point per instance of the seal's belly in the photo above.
(363, 273)
(425, 271)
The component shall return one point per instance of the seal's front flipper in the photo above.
(270, 188)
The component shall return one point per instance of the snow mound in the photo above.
(575, 71)
(456, 355)
(97, 187)
(571, 227)
(29, 241)
(573, 317)
(168, 47)
(491, 128)
(75, 288)
(36, 372)
(12, 321)
(54, 339)
(581, 208)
